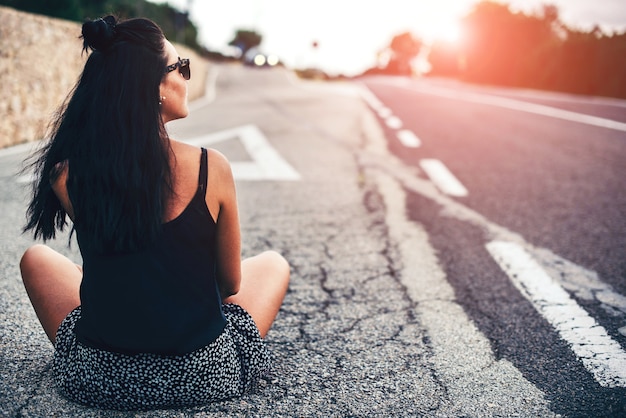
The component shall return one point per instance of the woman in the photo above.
(163, 311)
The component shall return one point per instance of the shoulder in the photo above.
(218, 162)
(220, 176)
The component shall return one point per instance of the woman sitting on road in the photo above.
(163, 312)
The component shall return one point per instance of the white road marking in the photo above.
(600, 354)
(384, 112)
(371, 99)
(376, 156)
(581, 283)
(393, 122)
(443, 178)
(267, 163)
(379, 107)
(408, 138)
(523, 107)
(405, 136)
(461, 355)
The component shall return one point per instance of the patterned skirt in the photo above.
(228, 367)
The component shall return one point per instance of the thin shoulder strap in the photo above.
(204, 171)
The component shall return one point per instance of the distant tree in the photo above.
(445, 59)
(63, 9)
(403, 49)
(167, 17)
(507, 48)
(246, 40)
(536, 51)
(592, 63)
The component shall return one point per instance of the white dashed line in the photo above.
(370, 98)
(408, 138)
(384, 112)
(443, 178)
(600, 354)
(393, 122)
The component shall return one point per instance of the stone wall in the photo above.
(40, 61)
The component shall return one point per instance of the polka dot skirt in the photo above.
(228, 367)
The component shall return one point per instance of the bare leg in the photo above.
(264, 281)
(52, 282)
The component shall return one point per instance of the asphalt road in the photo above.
(396, 307)
(553, 176)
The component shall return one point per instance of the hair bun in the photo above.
(99, 34)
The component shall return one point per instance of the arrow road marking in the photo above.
(266, 164)
(600, 354)
(443, 178)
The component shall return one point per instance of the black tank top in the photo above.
(163, 299)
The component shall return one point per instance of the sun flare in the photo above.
(435, 21)
(448, 32)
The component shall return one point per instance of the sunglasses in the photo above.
(183, 68)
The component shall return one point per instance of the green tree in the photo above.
(63, 9)
(174, 23)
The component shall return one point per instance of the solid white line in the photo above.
(600, 354)
(524, 107)
(393, 122)
(443, 178)
(408, 138)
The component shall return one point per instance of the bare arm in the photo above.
(222, 186)
(58, 181)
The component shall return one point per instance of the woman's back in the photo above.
(165, 298)
(158, 227)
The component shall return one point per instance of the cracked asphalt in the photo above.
(353, 337)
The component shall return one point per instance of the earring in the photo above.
(161, 101)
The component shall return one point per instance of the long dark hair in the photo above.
(110, 133)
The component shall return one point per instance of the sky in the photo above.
(350, 33)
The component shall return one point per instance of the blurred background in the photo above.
(576, 46)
